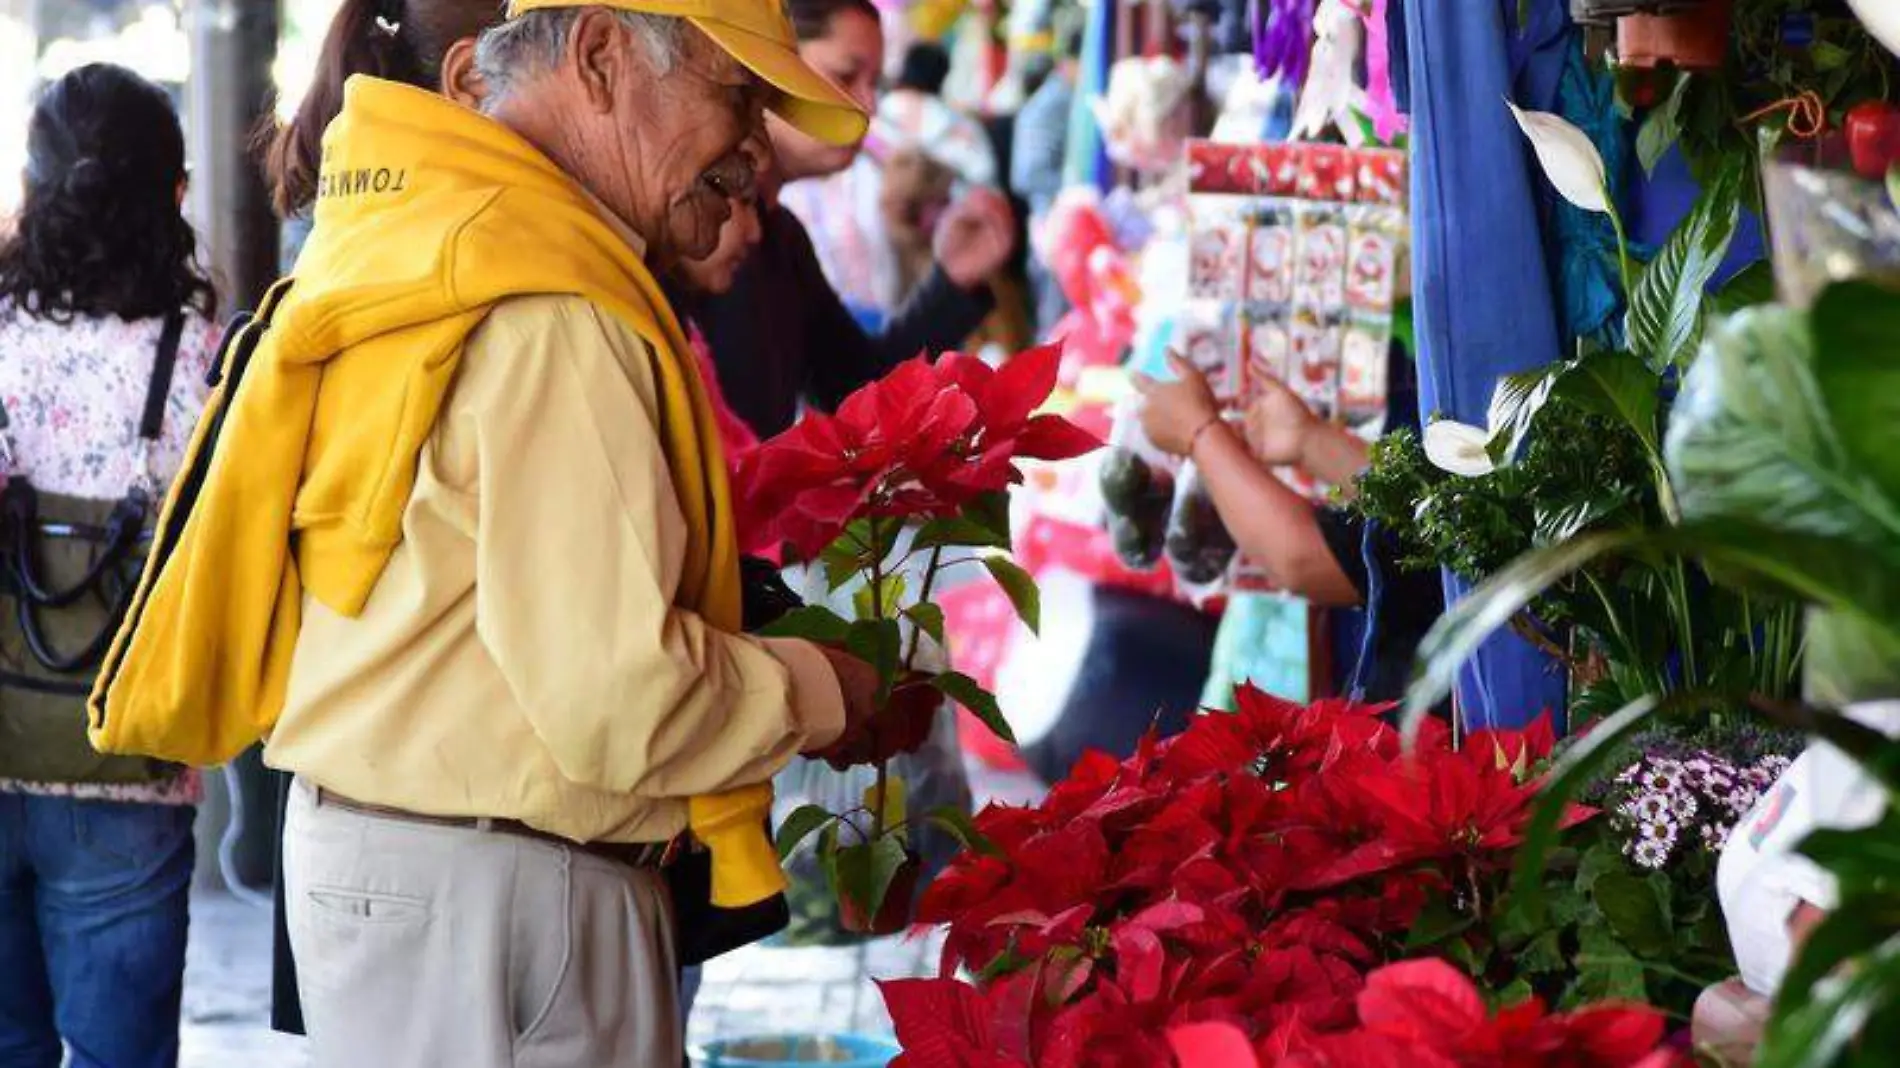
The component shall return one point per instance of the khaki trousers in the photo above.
(420, 946)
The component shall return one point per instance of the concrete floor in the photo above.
(756, 991)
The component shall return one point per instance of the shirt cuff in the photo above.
(816, 698)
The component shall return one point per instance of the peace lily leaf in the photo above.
(1843, 934)
(1752, 285)
(1020, 588)
(1751, 440)
(965, 691)
(1662, 127)
(1616, 385)
(799, 826)
(813, 623)
(1458, 634)
(1580, 764)
(1568, 158)
(1515, 403)
(1665, 311)
(896, 807)
(1815, 1032)
(1856, 329)
(1458, 448)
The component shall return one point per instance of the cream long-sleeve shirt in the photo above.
(521, 657)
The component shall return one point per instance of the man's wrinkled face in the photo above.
(690, 144)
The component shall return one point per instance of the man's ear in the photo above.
(461, 82)
(601, 56)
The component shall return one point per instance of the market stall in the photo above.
(1645, 465)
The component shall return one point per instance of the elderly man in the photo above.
(463, 548)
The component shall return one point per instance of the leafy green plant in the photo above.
(1780, 454)
(1577, 447)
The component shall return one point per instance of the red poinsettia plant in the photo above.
(1256, 871)
(915, 466)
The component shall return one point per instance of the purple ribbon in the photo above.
(1282, 39)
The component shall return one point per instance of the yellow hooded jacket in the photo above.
(428, 216)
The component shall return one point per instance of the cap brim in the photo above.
(808, 101)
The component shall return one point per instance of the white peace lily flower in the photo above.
(1569, 159)
(1459, 448)
(1882, 19)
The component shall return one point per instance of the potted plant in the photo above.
(1695, 38)
(915, 466)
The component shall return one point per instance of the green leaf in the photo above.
(982, 704)
(813, 623)
(1640, 921)
(1515, 402)
(890, 594)
(1753, 285)
(991, 512)
(842, 562)
(879, 643)
(1580, 764)
(1437, 922)
(1458, 634)
(1516, 992)
(958, 824)
(1020, 588)
(1829, 56)
(1816, 1032)
(1665, 314)
(1618, 386)
(864, 871)
(1544, 955)
(1845, 932)
(1662, 126)
(929, 618)
(958, 531)
(1856, 329)
(800, 825)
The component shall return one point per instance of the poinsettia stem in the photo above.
(923, 597)
(883, 787)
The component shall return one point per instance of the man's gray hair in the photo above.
(535, 42)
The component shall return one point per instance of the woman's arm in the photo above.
(1277, 528)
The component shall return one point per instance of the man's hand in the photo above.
(859, 683)
(975, 238)
(1172, 413)
(1279, 424)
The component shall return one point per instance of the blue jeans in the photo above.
(94, 902)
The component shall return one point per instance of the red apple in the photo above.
(1873, 137)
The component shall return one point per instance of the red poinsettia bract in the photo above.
(925, 440)
(1238, 887)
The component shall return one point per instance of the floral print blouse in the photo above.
(74, 394)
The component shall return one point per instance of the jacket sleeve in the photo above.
(841, 357)
(579, 546)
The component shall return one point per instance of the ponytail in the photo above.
(398, 40)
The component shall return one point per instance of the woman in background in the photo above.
(106, 336)
(781, 337)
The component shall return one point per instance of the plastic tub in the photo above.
(783, 1051)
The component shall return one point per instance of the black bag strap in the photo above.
(158, 390)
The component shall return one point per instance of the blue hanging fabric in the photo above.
(1482, 292)
(1085, 159)
(1589, 277)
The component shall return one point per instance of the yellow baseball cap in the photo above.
(759, 35)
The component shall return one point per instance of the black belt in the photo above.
(653, 855)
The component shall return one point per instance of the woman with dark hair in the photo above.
(397, 40)
(106, 337)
